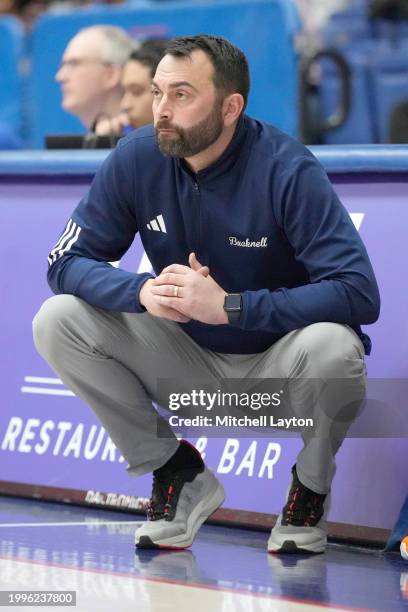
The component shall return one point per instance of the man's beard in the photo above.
(191, 141)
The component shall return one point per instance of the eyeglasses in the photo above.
(71, 64)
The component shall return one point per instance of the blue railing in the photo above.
(337, 159)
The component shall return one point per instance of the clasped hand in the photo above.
(181, 293)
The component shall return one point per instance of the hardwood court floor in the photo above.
(46, 546)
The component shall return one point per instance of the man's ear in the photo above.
(112, 76)
(232, 108)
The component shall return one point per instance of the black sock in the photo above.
(186, 456)
(297, 480)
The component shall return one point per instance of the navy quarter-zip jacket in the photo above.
(264, 217)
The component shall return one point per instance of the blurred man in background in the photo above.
(90, 73)
(314, 14)
(137, 75)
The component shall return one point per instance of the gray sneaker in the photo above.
(301, 526)
(181, 501)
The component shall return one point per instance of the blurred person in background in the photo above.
(90, 73)
(6, 7)
(26, 10)
(314, 14)
(136, 104)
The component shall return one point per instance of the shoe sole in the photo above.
(290, 547)
(201, 512)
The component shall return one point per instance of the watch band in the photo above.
(233, 306)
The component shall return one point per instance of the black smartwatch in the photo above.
(233, 306)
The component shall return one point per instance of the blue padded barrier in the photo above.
(11, 48)
(263, 29)
(370, 159)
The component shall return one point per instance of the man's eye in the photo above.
(155, 93)
(181, 95)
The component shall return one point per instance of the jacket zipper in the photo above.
(198, 194)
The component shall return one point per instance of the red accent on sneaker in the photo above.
(290, 509)
(167, 506)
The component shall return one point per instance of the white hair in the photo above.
(118, 44)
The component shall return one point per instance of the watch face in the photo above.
(233, 302)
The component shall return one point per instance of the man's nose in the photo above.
(60, 75)
(163, 109)
(126, 103)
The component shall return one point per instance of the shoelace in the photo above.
(165, 493)
(304, 507)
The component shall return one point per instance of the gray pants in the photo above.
(112, 361)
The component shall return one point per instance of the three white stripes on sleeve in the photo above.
(157, 224)
(68, 238)
(71, 235)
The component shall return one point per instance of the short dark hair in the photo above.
(231, 71)
(150, 53)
